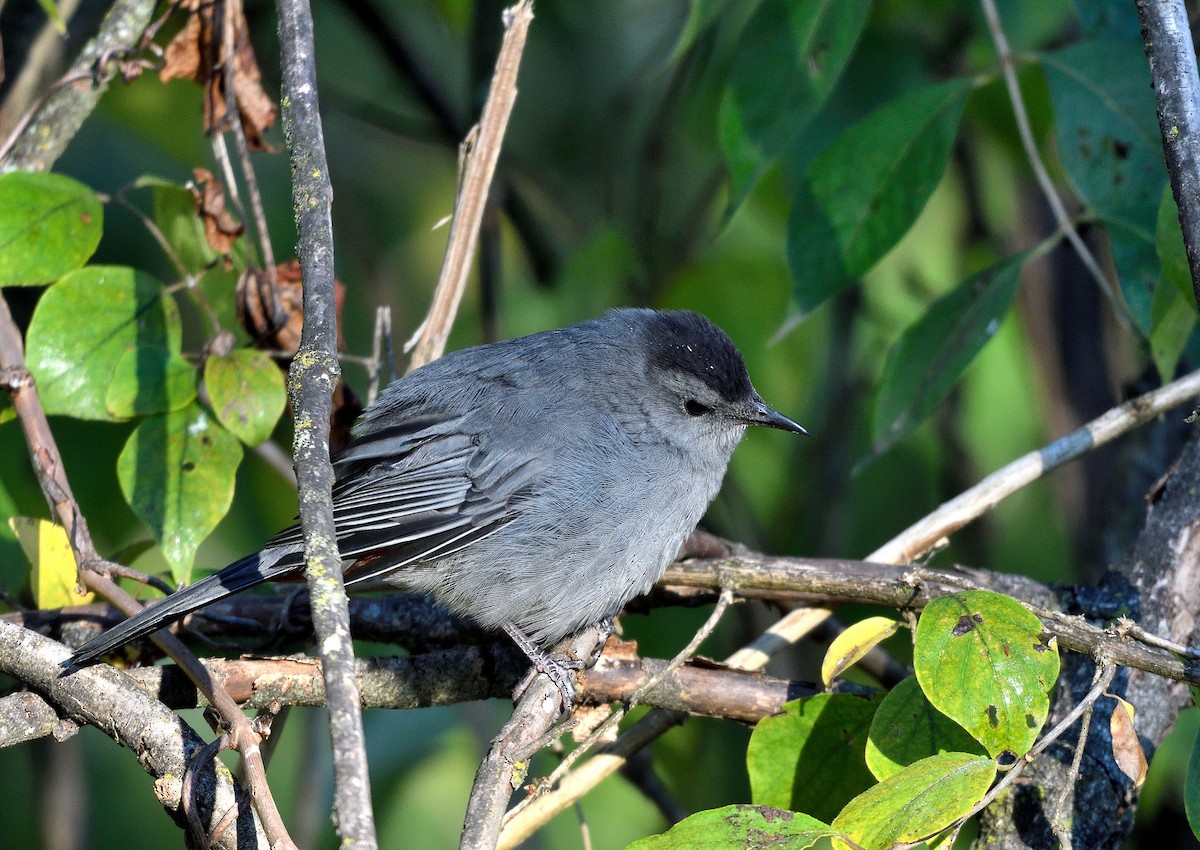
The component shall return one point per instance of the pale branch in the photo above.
(479, 153)
(109, 700)
(1167, 37)
(926, 533)
(314, 374)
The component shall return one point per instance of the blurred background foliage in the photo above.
(656, 156)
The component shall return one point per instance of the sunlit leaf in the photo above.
(985, 662)
(919, 801)
(810, 758)
(55, 574)
(85, 324)
(247, 393)
(930, 356)
(49, 225)
(866, 188)
(853, 643)
(177, 472)
(743, 827)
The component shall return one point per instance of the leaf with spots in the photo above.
(985, 662)
(745, 827)
(177, 472)
(246, 391)
(931, 355)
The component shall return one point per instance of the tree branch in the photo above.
(39, 142)
(166, 748)
(314, 373)
(1167, 37)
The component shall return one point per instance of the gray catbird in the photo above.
(534, 485)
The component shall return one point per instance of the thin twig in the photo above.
(1024, 130)
(479, 165)
(234, 12)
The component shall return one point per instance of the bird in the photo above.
(533, 485)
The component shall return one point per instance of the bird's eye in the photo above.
(695, 408)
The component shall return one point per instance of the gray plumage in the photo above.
(539, 482)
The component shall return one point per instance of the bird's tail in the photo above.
(249, 571)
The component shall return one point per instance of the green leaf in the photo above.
(907, 728)
(1172, 320)
(919, 801)
(85, 324)
(930, 357)
(810, 758)
(150, 379)
(1106, 127)
(1138, 268)
(177, 472)
(1191, 788)
(1168, 244)
(175, 214)
(792, 54)
(56, 18)
(49, 225)
(247, 393)
(743, 827)
(864, 190)
(986, 663)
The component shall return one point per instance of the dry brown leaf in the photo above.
(275, 319)
(1127, 749)
(221, 229)
(197, 53)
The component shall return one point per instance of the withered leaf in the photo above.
(198, 53)
(221, 229)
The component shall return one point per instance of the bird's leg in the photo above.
(543, 663)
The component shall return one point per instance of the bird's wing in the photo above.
(417, 491)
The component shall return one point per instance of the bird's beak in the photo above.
(759, 414)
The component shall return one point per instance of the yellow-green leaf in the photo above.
(985, 662)
(851, 645)
(85, 324)
(55, 573)
(150, 379)
(918, 802)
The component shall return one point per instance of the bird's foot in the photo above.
(557, 671)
